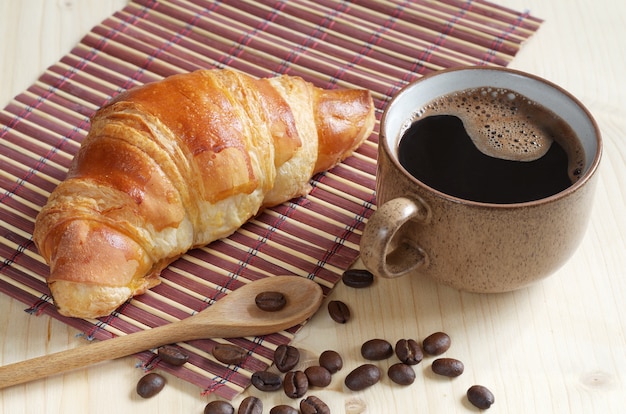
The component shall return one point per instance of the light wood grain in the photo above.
(557, 347)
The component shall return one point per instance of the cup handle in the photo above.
(383, 250)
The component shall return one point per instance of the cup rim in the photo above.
(589, 173)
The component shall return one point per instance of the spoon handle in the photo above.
(44, 366)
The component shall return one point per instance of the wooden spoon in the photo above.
(235, 315)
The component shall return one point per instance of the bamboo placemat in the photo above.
(374, 44)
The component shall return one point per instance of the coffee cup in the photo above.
(493, 221)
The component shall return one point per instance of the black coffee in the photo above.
(491, 145)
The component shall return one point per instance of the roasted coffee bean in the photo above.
(266, 381)
(401, 373)
(480, 396)
(436, 344)
(250, 405)
(286, 357)
(409, 351)
(362, 377)
(295, 384)
(219, 407)
(376, 349)
(270, 301)
(331, 360)
(284, 409)
(150, 385)
(313, 405)
(173, 355)
(338, 311)
(448, 367)
(318, 376)
(357, 278)
(229, 354)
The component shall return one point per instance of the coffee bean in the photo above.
(270, 301)
(284, 409)
(313, 405)
(480, 396)
(286, 357)
(448, 367)
(376, 349)
(401, 374)
(295, 384)
(331, 360)
(409, 351)
(250, 405)
(219, 407)
(150, 385)
(362, 377)
(229, 354)
(338, 311)
(266, 381)
(173, 355)
(318, 376)
(357, 278)
(436, 344)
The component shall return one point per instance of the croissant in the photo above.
(179, 163)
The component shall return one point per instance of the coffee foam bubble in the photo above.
(498, 121)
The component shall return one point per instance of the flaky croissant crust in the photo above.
(179, 163)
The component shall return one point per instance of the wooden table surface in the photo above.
(556, 347)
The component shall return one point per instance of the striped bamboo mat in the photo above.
(376, 44)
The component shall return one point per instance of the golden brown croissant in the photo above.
(179, 163)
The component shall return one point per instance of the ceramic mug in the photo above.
(474, 245)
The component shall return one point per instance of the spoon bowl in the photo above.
(234, 315)
(238, 315)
